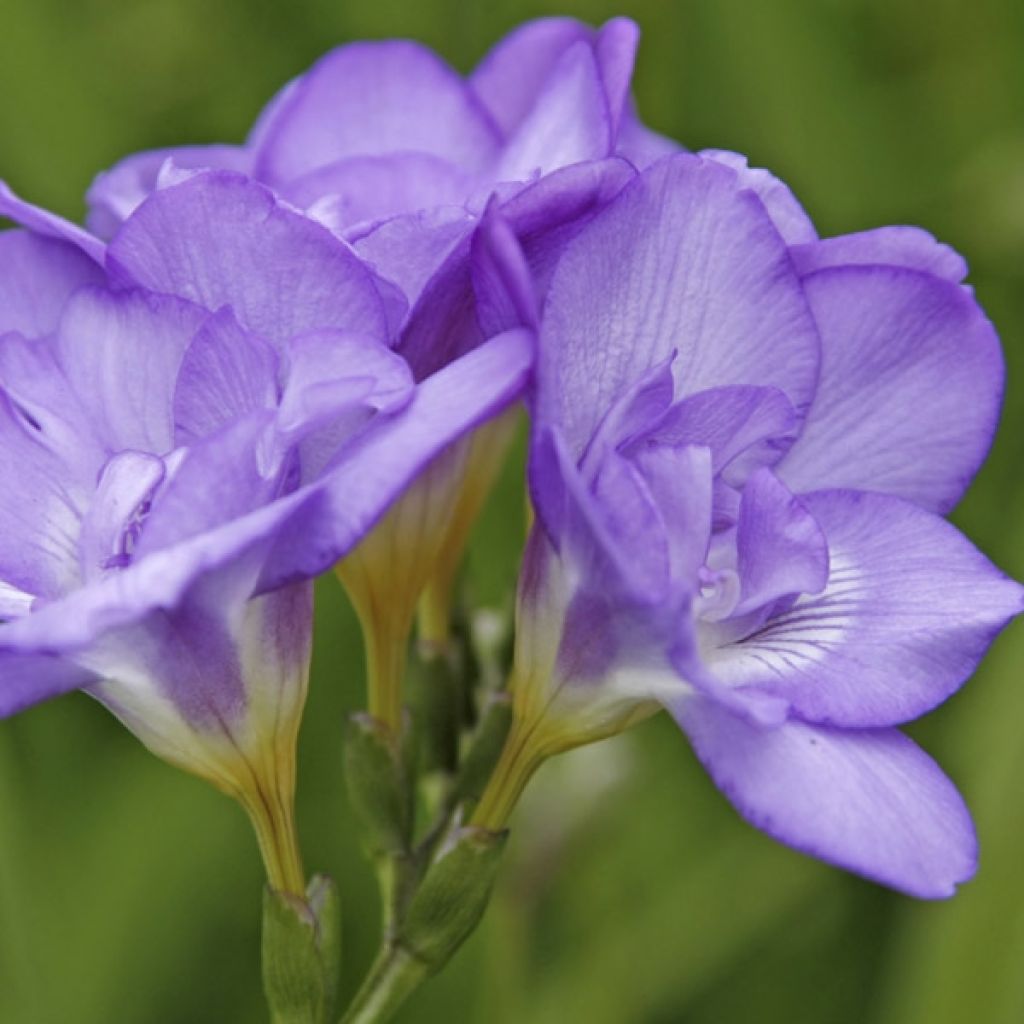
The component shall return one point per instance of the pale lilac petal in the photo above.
(570, 123)
(509, 78)
(332, 374)
(41, 221)
(898, 246)
(410, 248)
(911, 382)
(35, 383)
(39, 274)
(363, 189)
(869, 801)
(27, 679)
(640, 145)
(351, 496)
(615, 47)
(909, 610)
(786, 213)
(681, 261)
(744, 427)
(375, 98)
(781, 548)
(40, 510)
(115, 194)
(121, 352)
(126, 484)
(226, 373)
(221, 240)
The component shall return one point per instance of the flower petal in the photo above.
(121, 352)
(786, 213)
(570, 122)
(220, 239)
(39, 275)
(911, 382)
(897, 246)
(375, 98)
(367, 189)
(42, 222)
(870, 801)
(682, 260)
(909, 610)
(115, 194)
(781, 549)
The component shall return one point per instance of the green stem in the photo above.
(392, 979)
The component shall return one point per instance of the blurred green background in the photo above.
(130, 892)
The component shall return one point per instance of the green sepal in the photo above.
(301, 953)
(377, 776)
(453, 896)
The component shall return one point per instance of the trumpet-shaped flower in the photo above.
(398, 155)
(191, 431)
(744, 442)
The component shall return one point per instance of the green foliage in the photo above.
(630, 891)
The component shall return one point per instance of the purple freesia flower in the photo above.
(744, 442)
(192, 428)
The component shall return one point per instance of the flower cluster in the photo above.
(262, 362)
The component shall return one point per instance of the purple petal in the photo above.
(331, 374)
(40, 510)
(682, 260)
(781, 549)
(570, 123)
(127, 482)
(615, 48)
(745, 427)
(869, 801)
(226, 373)
(370, 189)
(28, 679)
(891, 246)
(220, 239)
(510, 77)
(786, 213)
(639, 144)
(372, 99)
(121, 352)
(544, 217)
(374, 471)
(910, 388)
(909, 610)
(410, 248)
(502, 284)
(39, 274)
(115, 194)
(41, 221)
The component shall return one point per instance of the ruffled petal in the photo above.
(869, 801)
(570, 122)
(786, 213)
(897, 246)
(114, 195)
(909, 610)
(39, 274)
(42, 222)
(371, 99)
(910, 389)
(220, 239)
(121, 352)
(681, 261)
(363, 190)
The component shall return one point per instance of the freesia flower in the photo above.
(197, 419)
(744, 443)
